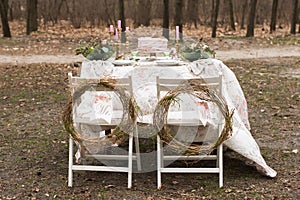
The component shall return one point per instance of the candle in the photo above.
(177, 33)
(119, 24)
(111, 28)
(117, 34)
(127, 29)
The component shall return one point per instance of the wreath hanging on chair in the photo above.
(195, 88)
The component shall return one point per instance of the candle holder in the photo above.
(119, 56)
(177, 48)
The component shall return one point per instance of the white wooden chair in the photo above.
(124, 83)
(165, 85)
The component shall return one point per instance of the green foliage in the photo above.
(94, 51)
(197, 51)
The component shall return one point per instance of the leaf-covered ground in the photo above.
(34, 146)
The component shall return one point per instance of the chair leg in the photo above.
(130, 160)
(220, 158)
(137, 150)
(70, 171)
(159, 157)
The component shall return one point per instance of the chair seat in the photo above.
(116, 119)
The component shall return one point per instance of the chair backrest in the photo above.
(80, 89)
(122, 83)
(168, 84)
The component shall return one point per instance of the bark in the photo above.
(251, 18)
(110, 21)
(75, 19)
(32, 18)
(273, 16)
(178, 19)
(166, 20)
(192, 12)
(294, 17)
(144, 11)
(215, 19)
(212, 13)
(122, 18)
(232, 25)
(4, 19)
(244, 8)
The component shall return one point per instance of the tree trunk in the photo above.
(243, 14)
(4, 20)
(212, 13)
(298, 22)
(10, 11)
(75, 14)
(110, 21)
(294, 17)
(192, 12)
(232, 25)
(32, 22)
(251, 18)
(215, 19)
(166, 20)
(144, 10)
(178, 19)
(122, 18)
(273, 16)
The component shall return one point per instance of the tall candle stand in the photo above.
(177, 48)
(117, 44)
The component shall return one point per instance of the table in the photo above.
(144, 87)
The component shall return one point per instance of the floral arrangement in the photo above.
(96, 51)
(195, 51)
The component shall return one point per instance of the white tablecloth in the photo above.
(144, 87)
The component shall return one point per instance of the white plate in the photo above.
(122, 62)
(167, 62)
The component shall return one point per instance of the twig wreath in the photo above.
(195, 88)
(120, 133)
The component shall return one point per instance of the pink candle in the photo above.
(117, 34)
(111, 28)
(177, 33)
(119, 24)
(127, 29)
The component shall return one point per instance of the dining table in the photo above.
(144, 69)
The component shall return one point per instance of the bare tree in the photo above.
(144, 8)
(122, 18)
(75, 15)
(106, 9)
(215, 19)
(178, 18)
(232, 25)
(166, 20)
(192, 12)
(299, 22)
(32, 21)
(4, 20)
(294, 17)
(273, 16)
(212, 13)
(244, 7)
(251, 18)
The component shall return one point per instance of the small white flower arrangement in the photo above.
(196, 51)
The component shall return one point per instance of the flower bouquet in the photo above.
(197, 51)
(94, 51)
